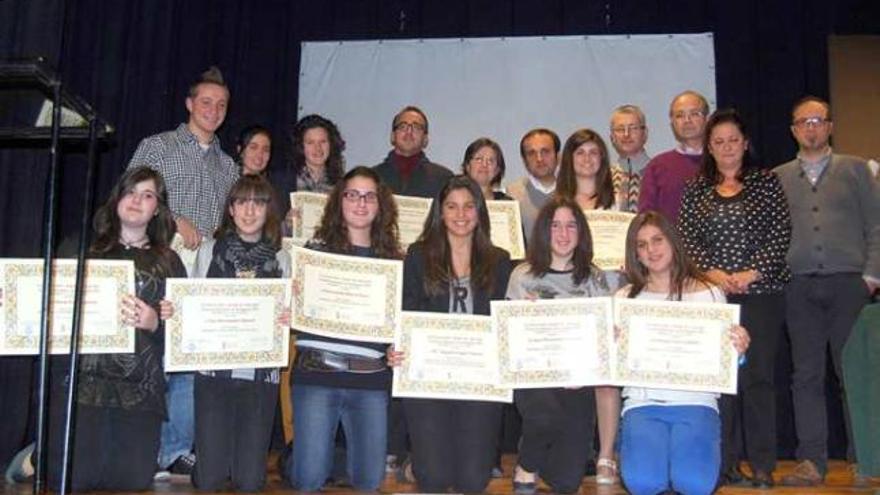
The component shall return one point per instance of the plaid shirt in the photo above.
(197, 180)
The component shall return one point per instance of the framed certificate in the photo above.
(311, 208)
(187, 256)
(608, 229)
(507, 231)
(448, 356)
(554, 342)
(675, 345)
(103, 330)
(222, 323)
(347, 297)
(411, 214)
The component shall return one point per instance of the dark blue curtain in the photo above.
(133, 61)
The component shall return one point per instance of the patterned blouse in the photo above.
(305, 182)
(748, 231)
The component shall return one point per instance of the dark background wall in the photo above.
(133, 60)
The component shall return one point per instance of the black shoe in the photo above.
(184, 465)
(732, 476)
(762, 480)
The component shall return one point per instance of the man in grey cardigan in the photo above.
(835, 262)
(539, 149)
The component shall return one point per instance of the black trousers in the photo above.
(748, 419)
(558, 426)
(15, 397)
(821, 312)
(453, 443)
(233, 423)
(113, 449)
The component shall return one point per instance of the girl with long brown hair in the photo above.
(453, 268)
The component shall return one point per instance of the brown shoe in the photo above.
(862, 480)
(805, 474)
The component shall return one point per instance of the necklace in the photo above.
(138, 243)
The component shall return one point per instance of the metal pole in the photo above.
(70, 416)
(49, 213)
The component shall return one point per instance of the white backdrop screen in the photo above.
(499, 88)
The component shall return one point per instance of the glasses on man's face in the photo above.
(623, 130)
(810, 122)
(409, 126)
(688, 115)
(355, 196)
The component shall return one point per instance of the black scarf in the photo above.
(235, 258)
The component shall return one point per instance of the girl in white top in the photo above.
(670, 440)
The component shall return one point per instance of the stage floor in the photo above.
(839, 481)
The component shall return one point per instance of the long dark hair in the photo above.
(438, 259)
(566, 182)
(476, 146)
(683, 269)
(244, 139)
(258, 188)
(160, 230)
(335, 166)
(540, 255)
(384, 233)
(708, 167)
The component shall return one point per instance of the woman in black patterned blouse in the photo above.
(736, 227)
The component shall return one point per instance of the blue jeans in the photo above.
(317, 411)
(670, 447)
(178, 432)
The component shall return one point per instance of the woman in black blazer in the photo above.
(454, 268)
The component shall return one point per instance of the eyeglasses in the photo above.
(628, 129)
(355, 196)
(810, 122)
(484, 160)
(691, 115)
(409, 126)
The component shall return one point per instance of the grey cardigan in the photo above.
(836, 223)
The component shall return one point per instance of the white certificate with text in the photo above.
(411, 214)
(608, 229)
(346, 297)
(310, 208)
(223, 323)
(675, 345)
(448, 356)
(102, 328)
(554, 342)
(507, 230)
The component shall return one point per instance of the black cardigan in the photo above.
(416, 299)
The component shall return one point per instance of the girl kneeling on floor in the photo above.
(235, 409)
(670, 439)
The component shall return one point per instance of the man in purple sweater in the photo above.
(664, 177)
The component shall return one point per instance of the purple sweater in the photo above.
(663, 182)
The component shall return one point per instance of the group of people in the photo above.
(796, 245)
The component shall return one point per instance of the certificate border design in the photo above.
(411, 203)
(609, 262)
(303, 200)
(390, 270)
(601, 307)
(122, 341)
(177, 289)
(723, 382)
(402, 386)
(516, 245)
